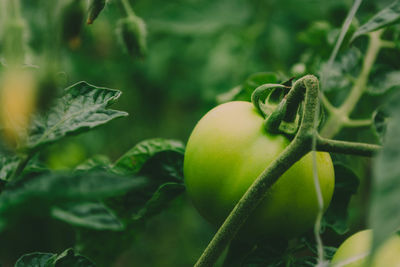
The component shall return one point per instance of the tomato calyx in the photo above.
(270, 101)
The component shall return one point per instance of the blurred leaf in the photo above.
(229, 95)
(381, 116)
(161, 162)
(69, 258)
(104, 246)
(384, 83)
(257, 79)
(316, 34)
(96, 162)
(339, 76)
(164, 166)
(8, 164)
(299, 252)
(384, 217)
(133, 160)
(54, 188)
(82, 108)
(386, 17)
(380, 119)
(2, 185)
(35, 259)
(164, 194)
(95, 7)
(346, 184)
(244, 91)
(92, 215)
(72, 18)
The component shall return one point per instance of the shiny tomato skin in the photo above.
(227, 151)
(353, 252)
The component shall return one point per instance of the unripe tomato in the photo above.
(354, 252)
(227, 150)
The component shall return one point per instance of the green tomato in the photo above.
(227, 150)
(354, 252)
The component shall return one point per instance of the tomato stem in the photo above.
(299, 147)
(344, 147)
(340, 116)
(306, 139)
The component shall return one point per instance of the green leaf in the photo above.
(346, 184)
(164, 194)
(161, 162)
(245, 90)
(386, 17)
(381, 116)
(8, 164)
(384, 215)
(82, 108)
(50, 189)
(92, 215)
(133, 160)
(36, 259)
(384, 83)
(339, 75)
(259, 78)
(69, 258)
(100, 162)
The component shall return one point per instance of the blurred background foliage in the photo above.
(196, 50)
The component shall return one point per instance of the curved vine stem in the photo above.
(305, 89)
(300, 145)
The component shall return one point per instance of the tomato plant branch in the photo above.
(128, 8)
(339, 116)
(354, 148)
(299, 147)
(357, 123)
(305, 89)
(325, 102)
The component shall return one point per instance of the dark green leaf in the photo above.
(338, 76)
(53, 188)
(381, 117)
(244, 91)
(82, 108)
(36, 259)
(384, 83)
(161, 162)
(69, 258)
(164, 194)
(387, 16)
(384, 216)
(257, 79)
(346, 184)
(100, 162)
(163, 167)
(8, 164)
(92, 215)
(133, 160)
